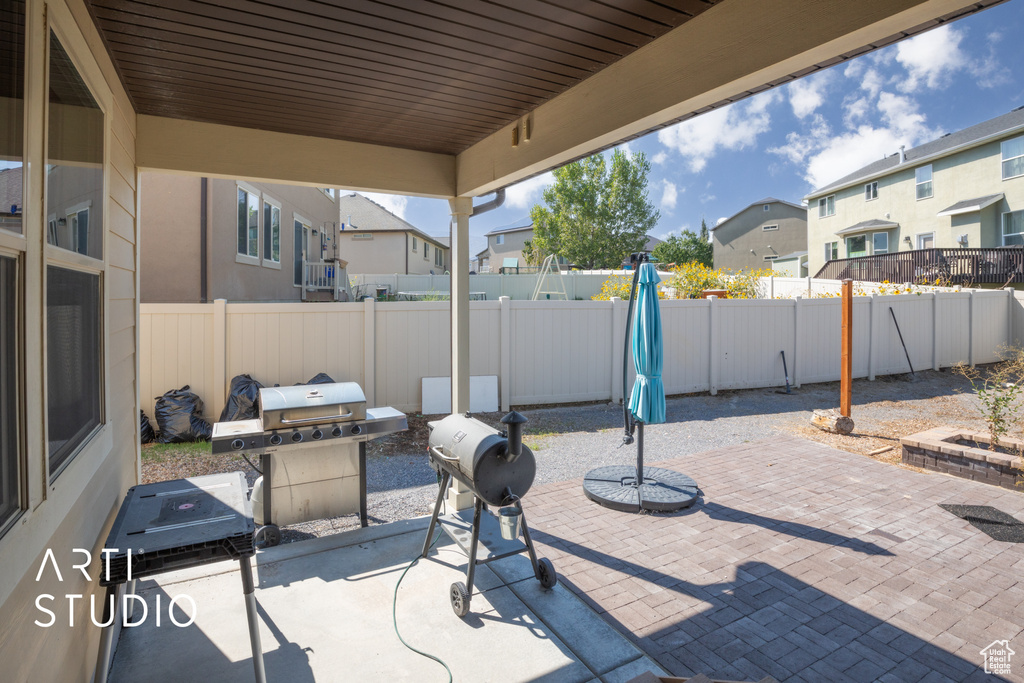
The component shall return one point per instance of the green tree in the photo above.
(686, 248)
(595, 216)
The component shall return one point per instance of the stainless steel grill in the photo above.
(311, 440)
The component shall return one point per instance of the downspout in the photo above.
(406, 253)
(203, 228)
(499, 199)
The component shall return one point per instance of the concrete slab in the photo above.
(326, 615)
(628, 672)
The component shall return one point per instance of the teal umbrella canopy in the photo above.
(647, 402)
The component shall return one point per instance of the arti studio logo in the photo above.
(997, 657)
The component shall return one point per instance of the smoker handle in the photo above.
(307, 420)
(437, 451)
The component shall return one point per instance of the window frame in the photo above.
(919, 184)
(846, 244)
(874, 248)
(17, 356)
(1004, 159)
(499, 240)
(871, 191)
(769, 257)
(824, 206)
(831, 251)
(426, 250)
(1002, 227)
(307, 232)
(918, 236)
(264, 260)
(247, 258)
(770, 227)
(415, 249)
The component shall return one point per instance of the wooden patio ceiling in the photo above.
(432, 76)
(422, 96)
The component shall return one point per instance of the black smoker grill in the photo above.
(499, 470)
(311, 440)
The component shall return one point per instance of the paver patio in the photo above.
(801, 562)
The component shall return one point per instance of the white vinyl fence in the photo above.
(561, 351)
(577, 285)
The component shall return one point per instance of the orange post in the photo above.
(846, 364)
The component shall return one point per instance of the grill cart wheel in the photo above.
(269, 535)
(460, 599)
(546, 573)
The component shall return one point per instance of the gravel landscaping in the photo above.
(570, 440)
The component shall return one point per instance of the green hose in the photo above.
(394, 619)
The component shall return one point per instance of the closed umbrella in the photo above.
(647, 402)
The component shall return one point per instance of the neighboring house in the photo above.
(764, 231)
(374, 240)
(652, 242)
(791, 265)
(249, 245)
(965, 189)
(10, 199)
(505, 246)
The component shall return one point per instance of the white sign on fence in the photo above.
(437, 395)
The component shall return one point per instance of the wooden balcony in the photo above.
(961, 266)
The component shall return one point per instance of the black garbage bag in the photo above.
(179, 416)
(146, 433)
(321, 378)
(243, 400)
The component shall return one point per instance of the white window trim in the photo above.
(866, 186)
(930, 181)
(873, 235)
(1003, 161)
(270, 263)
(415, 250)
(499, 239)
(1002, 228)
(918, 236)
(767, 207)
(823, 205)
(296, 218)
(767, 228)
(846, 244)
(828, 248)
(770, 257)
(245, 258)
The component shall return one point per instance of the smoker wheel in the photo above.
(546, 573)
(269, 535)
(460, 599)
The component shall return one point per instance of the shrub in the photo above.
(1000, 390)
(619, 285)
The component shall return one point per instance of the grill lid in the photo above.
(304, 405)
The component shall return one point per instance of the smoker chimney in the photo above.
(903, 155)
(514, 422)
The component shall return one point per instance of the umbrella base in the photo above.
(662, 490)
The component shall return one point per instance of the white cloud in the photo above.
(669, 195)
(705, 198)
(855, 110)
(807, 94)
(931, 58)
(659, 158)
(733, 127)
(527, 193)
(873, 82)
(395, 203)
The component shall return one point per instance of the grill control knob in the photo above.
(356, 429)
(297, 437)
(336, 431)
(276, 440)
(317, 435)
(238, 444)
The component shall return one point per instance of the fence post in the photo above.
(370, 351)
(935, 330)
(970, 330)
(797, 346)
(1011, 336)
(505, 363)
(810, 286)
(771, 286)
(618, 340)
(220, 354)
(713, 345)
(872, 352)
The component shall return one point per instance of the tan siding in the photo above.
(121, 222)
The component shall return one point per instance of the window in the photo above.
(299, 247)
(924, 181)
(926, 241)
(10, 452)
(329, 191)
(856, 246)
(362, 235)
(831, 251)
(426, 250)
(271, 232)
(767, 207)
(499, 239)
(1013, 157)
(827, 206)
(766, 228)
(1013, 228)
(73, 349)
(248, 224)
(439, 258)
(414, 244)
(871, 191)
(880, 243)
(771, 257)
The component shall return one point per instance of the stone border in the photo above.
(937, 450)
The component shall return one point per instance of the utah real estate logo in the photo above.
(997, 657)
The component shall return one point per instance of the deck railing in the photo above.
(962, 266)
(325, 277)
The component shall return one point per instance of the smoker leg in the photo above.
(526, 537)
(106, 636)
(478, 508)
(437, 510)
(249, 589)
(362, 484)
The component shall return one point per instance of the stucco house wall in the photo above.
(741, 242)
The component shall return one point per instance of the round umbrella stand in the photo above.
(662, 490)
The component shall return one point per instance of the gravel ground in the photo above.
(570, 440)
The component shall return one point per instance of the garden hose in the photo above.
(394, 618)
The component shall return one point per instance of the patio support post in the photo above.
(370, 351)
(459, 496)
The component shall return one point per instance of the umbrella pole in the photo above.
(639, 453)
(627, 422)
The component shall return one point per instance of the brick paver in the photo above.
(801, 562)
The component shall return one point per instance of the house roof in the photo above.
(766, 200)
(520, 225)
(950, 143)
(970, 205)
(864, 226)
(369, 216)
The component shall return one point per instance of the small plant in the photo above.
(1000, 391)
(619, 285)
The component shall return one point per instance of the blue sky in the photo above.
(787, 141)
